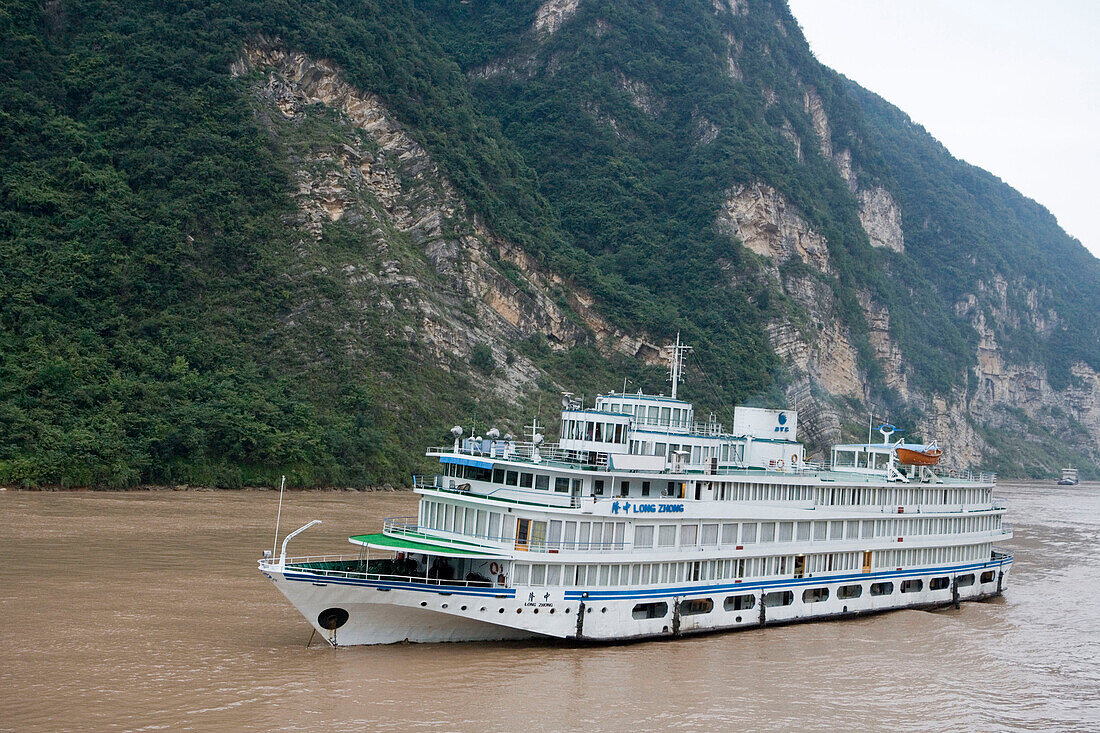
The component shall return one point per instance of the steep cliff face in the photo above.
(405, 214)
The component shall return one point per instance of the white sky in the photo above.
(1010, 86)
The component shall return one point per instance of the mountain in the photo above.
(243, 239)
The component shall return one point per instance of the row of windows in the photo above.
(747, 533)
(468, 521)
(677, 417)
(600, 432)
(696, 454)
(931, 556)
(735, 491)
(796, 566)
(747, 601)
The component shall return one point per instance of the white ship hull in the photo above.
(382, 612)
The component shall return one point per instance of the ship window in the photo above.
(938, 583)
(624, 488)
(915, 585)
(643, 536)
(729, 534)
(482, 523)
(666, 535)
(498, 475)
(815, 595)
(965, 580)
(659, 449)
(553, 574)
(988, 576)
(521, 573)
(785, 531)
(803, 531)
(845, 459)
(696, 606)
(846, 592)
(569, 575)
(836, 531)
(605, 574)
(882, 589)
(597, 535)
(542, 481)
(650, 610)
(598, 487)
(561, 484)
(538, 574)
(671, 490)
(645, 488)
(554, 536)
(577, 485)
(778, 598)
(696, 456)
(512, 478)
(494, 524)
(525, 480)
(710, 534)
(688, 535)
(739, 603)
(748, 533)
(620, 435)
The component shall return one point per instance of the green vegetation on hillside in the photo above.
(149, 280)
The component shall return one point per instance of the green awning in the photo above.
(385, 542)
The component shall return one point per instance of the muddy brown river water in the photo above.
(139, 611)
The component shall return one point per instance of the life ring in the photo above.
(779, 464)
(794, 458)
(494, 569)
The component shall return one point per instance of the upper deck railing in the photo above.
(598, 461)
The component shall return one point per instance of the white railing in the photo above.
(529, 496)
(303, 565)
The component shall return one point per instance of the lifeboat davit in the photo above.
(926, 457)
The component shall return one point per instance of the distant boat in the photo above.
(1069, 477)
(919, 455)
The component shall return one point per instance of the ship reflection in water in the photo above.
(132, 610)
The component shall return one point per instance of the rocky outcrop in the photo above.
(377, 179)
(881, 219)
(553, 14)
(816, 110)
(766, 223)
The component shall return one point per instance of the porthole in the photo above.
(444, 605)
(738, 619)
(463, 608)
(423, 603)
(536, 610)
(603, 610)
(501, 611)
(551, 610)
(483, 608)
(519, 610)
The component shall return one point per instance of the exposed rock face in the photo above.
(381, 181)
(792, 136)
(887, 351)
(816, 110)
(553, 14)
(881, 219)
(641, 96)
(735, 7)
(763, 220)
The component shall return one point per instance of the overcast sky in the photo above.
(1010, 86)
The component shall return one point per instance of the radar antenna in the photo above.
(676, 363)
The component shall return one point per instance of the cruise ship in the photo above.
(644, 522)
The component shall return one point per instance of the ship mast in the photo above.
(676, 363)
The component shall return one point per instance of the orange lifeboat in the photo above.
(926, 457)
